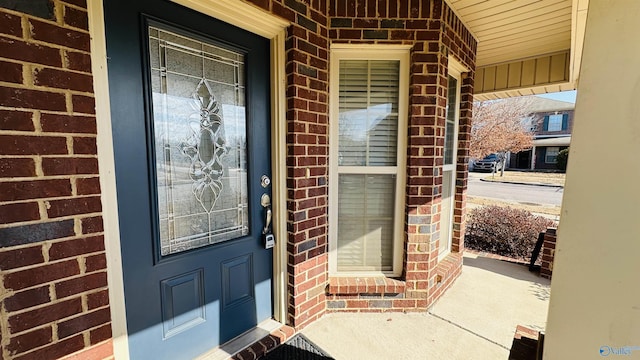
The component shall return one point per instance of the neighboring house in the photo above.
(551, 122)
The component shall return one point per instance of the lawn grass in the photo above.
(528, 177)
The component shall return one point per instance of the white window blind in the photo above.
(365, 163)
(368, 113)
(365, 222)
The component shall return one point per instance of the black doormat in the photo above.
(298, 348)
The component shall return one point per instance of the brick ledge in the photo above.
(365, 285)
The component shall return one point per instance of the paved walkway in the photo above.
(475, 319)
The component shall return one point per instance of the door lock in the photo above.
(265, 181)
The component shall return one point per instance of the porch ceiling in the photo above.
(511, 32)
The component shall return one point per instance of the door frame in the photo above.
(242, 15)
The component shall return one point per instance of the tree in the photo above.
(561, 159)
(500, 126)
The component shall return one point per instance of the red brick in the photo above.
(96, 262)
(15, 120)
(79, 61)
(80, 3)
(55, 350)
(88, 186)
(85, 145)
(76, 18)
(30, 340)
(100, 334)
(33, 53)
(44, 315)
(69, 166)
(74, 206)
(84, 322)
(83, 104)
(12, 259)
(31, 99)
(76, 247)
(82, 284)
(28, 298)
(17, 167)
(92, 225)
(11, 213)
(10, 25)
(63, 79)
(10, 72)
(23, 190)
(68, 123)
(98, 299)
(61, 36)
(42, 274)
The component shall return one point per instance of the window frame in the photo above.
(546, 154)
(455, 70)
(555, 117)
(368, 52)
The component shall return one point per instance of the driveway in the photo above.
(475, 319)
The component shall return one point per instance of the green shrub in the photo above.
(562, 158)
(504, 231)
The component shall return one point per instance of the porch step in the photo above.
(527, 344)
(258, 349)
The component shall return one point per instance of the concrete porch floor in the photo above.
(475, 319)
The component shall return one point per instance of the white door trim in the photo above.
(249, 18)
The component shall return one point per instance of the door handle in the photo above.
(267, 221)
(269, 239)
(265, 201)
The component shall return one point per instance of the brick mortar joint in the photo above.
(47, 201)
(45, 89)
(55, 301)
(78, 258)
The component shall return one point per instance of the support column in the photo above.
(595, 298)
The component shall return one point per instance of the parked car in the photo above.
(491, 163)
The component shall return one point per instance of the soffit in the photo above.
(509, 30)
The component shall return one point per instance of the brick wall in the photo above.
(53, 281)
(307, 155)
(548, 253)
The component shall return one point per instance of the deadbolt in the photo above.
(265, 181)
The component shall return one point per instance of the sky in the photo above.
(568, 96)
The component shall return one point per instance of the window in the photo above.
(555, 122)
(367, 158)
(447, 203)
(551, 154)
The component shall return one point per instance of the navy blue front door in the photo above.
(190, 115)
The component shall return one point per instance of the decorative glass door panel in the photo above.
(200, 141)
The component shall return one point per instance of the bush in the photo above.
(504, 231)
(562, 158)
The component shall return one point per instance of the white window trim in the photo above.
(455, 70)
(546, 156)
(368, 52)
(559, 123)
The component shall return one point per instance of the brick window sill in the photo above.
(365, 285)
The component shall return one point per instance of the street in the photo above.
(525, 194)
